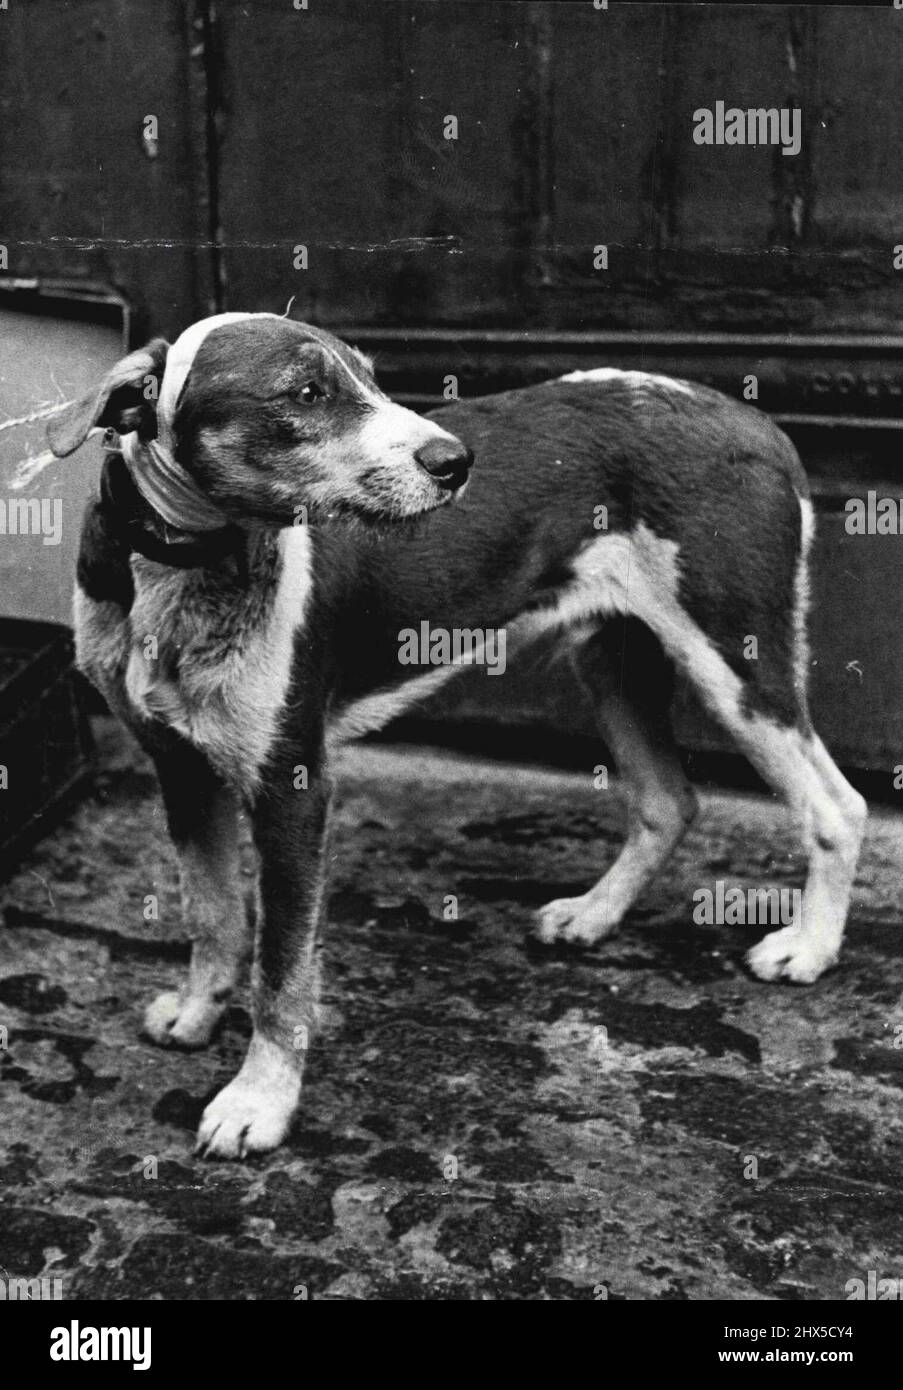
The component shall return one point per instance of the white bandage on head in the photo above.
(160, 479)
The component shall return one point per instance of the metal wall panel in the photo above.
(84, 197)
(325, 127)
(582, 137)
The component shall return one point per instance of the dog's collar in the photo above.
(145, 530)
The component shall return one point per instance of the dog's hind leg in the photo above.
(833, 815)
(762, 703)
(202, 815)
(632, 696)
(765, 713)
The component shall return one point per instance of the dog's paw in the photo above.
(791, 954)
(245, 1118)
(171, 1021)
(572, 919)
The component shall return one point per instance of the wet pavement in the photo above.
(483, 1117)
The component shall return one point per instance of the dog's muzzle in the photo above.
(447, 461)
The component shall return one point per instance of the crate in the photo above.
(45, 738)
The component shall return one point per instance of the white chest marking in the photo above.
(228, 696)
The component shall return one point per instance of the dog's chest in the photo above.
(213, 660)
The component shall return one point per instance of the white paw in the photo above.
(573, 919)
(171, 1021)
(243, 1119)
(791, 954)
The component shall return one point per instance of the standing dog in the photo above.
(238, 645)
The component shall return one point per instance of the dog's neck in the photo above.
(168, 489)
(143, 528)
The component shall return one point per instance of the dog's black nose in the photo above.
(446, 460)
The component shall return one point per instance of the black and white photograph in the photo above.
(451, 666)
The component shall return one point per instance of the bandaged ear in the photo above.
(125, 400)
(139, 399)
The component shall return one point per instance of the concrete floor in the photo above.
(601, 1108)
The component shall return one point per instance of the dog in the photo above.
(269, 522)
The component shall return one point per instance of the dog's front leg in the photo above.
(254, 1111)
(202, 813)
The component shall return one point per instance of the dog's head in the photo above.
(267, 417)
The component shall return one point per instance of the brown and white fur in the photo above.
(239, 646)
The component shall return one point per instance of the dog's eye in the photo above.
(310, 393)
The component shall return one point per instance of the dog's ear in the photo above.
(126, 400)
